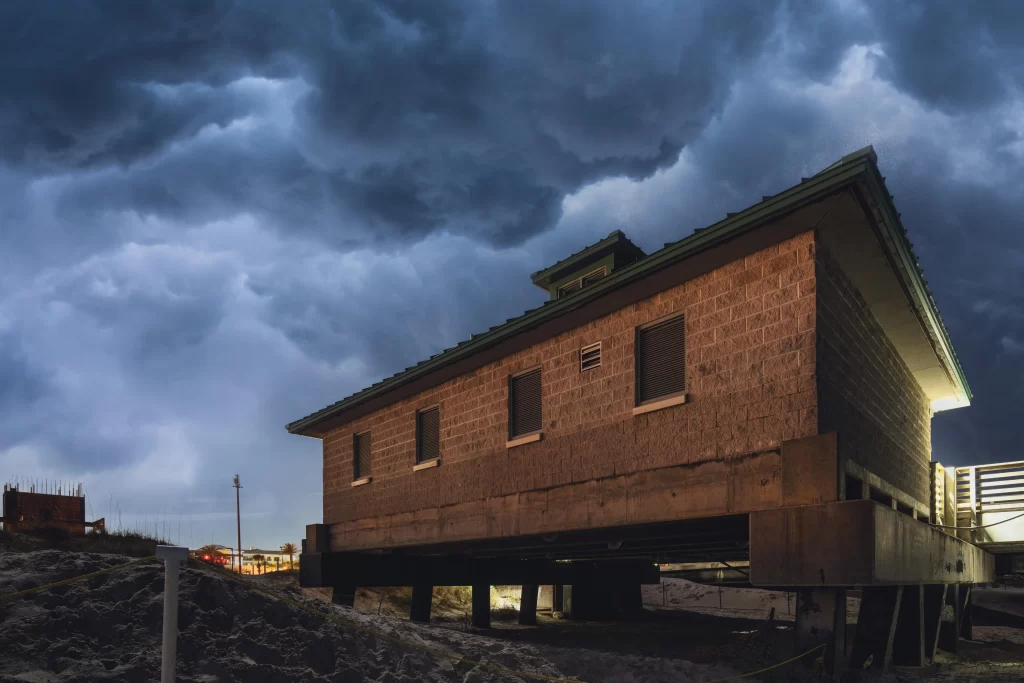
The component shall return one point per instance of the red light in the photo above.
(206, 557)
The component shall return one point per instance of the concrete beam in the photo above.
(381, 571)
(857, 542)
(801, 471)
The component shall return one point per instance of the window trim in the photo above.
(419, 437)
(357, 476)
(668, 400)
(602, 269)
(526, 437)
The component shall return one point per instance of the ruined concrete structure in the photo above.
(59, 508)
(759, 391)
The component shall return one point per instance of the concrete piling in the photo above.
(528, 605)
(422, 597)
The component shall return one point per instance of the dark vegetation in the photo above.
(120, 542)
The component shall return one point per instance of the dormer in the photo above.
(586, 267)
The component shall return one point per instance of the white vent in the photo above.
(590, 357)
(581, 282)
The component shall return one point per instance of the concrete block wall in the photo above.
(866, 392)
(751, 384)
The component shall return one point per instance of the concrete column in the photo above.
(422, 595)
(821, 620)
(949, 626)
(966, 626)
(482, 605)
(934, 601)
(876, 626)
(344, 595)
(908, 644)
(528, 605)
(557, 598)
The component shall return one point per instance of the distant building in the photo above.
(30, 510)
(274, 560)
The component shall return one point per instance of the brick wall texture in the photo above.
(751, 384)
(866, 393)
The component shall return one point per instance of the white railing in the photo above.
(987, 494)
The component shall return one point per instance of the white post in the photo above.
(172, 556)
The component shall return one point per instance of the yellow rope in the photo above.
(351, 624)
(773, 666)
(74, 579)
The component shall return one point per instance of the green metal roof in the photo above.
(615, 241)
(860, 165)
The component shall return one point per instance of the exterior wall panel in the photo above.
(751, 384)
(866, 392)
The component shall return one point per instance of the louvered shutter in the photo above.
(591, 278)
(428, 446)
(361, 456)
(569, 288)
(661, 360)
(524, 404)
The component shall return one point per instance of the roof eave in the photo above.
(904, 254)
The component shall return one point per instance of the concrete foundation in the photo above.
(857, 543)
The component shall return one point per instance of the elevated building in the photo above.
(760, 391)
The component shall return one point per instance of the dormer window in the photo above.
(581, 282)
(586, 267)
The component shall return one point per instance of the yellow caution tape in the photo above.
(369, 631)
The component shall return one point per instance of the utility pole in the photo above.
(238, 519)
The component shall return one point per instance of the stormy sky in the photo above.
(217, 217)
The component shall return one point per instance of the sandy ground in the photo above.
(108, 629)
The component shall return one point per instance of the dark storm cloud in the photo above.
(419, 116)
(950, 54)
(20, 383)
